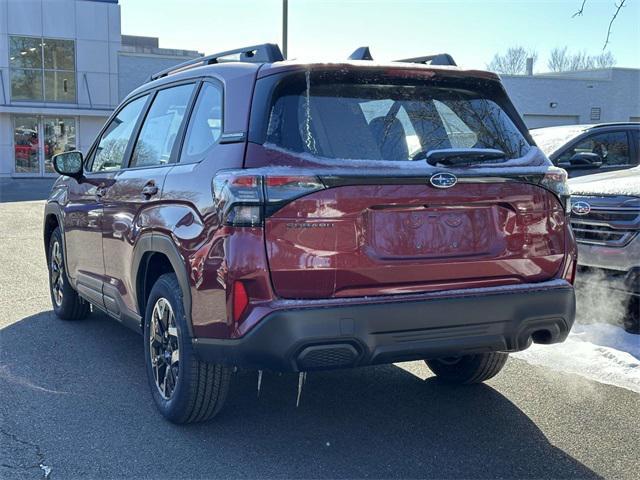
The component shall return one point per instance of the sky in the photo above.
(470, 30)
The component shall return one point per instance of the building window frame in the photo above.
(41, 171)
(43, 71)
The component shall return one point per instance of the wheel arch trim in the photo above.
(55, 209)
(154, 242)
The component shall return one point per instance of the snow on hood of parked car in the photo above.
(551, 139)
(621, 182)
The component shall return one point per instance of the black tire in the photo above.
(632, 319)
(67, 304)
(469, 368)
(201, 388)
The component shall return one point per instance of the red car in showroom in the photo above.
(242, 210)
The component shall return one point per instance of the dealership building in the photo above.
(589, 96)
(64, 67)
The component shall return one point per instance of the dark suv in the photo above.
(272, 214)
(591, 149)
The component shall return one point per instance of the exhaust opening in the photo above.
(541, 336)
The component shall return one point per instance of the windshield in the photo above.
(383, 117)
(552, 138)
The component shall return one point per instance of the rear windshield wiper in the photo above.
(455, 157)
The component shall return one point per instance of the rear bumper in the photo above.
(352, 334)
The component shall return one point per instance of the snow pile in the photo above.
(624, 182)
(601, 352)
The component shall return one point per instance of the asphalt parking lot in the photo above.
(74, 403)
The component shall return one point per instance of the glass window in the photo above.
(612, 147)
(375, 116)
(25, 143)
(26, 85)
(25, 52)
(205, 126)
(59, 86)
(160, 127)
(59, 54)
(385, 118)
(458, 132)
(110, 152)
(42, 69)
(59, 137)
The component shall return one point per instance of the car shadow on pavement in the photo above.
(25, 189)
(78, 391)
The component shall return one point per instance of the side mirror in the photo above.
(69, 164)
(585, 160)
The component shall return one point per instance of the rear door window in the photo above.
(161, 126)
(380, 117)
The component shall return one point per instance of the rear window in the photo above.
(377, 116)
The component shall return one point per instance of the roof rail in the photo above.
(361, 53)
(264, 53)
(439, 59)
(614, 124)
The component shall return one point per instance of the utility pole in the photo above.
(285, 26)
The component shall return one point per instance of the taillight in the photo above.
(240, 300)
(556, 181)
(245, 200)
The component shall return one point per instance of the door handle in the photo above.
(149, 189)
(101, 191)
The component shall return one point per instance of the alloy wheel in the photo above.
(164, 348)
(57, 273)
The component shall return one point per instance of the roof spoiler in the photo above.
(363, 53)
(263, 53)
(439, 59)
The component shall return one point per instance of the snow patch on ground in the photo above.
(601, 352)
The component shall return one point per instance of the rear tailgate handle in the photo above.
(149, 189)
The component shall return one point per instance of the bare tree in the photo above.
(559, 60)
(605, 60)
(512, 62)
(618, 6)
(580, 61)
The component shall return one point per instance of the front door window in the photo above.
(611, 147)
(36, 139)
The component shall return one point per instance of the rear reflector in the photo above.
(240, 300)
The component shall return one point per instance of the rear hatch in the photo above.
(360, 207)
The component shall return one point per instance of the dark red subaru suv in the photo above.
(242, 210)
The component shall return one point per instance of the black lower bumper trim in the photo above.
(344, 336)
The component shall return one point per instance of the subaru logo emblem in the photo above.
(581, 208)
(443, 180)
